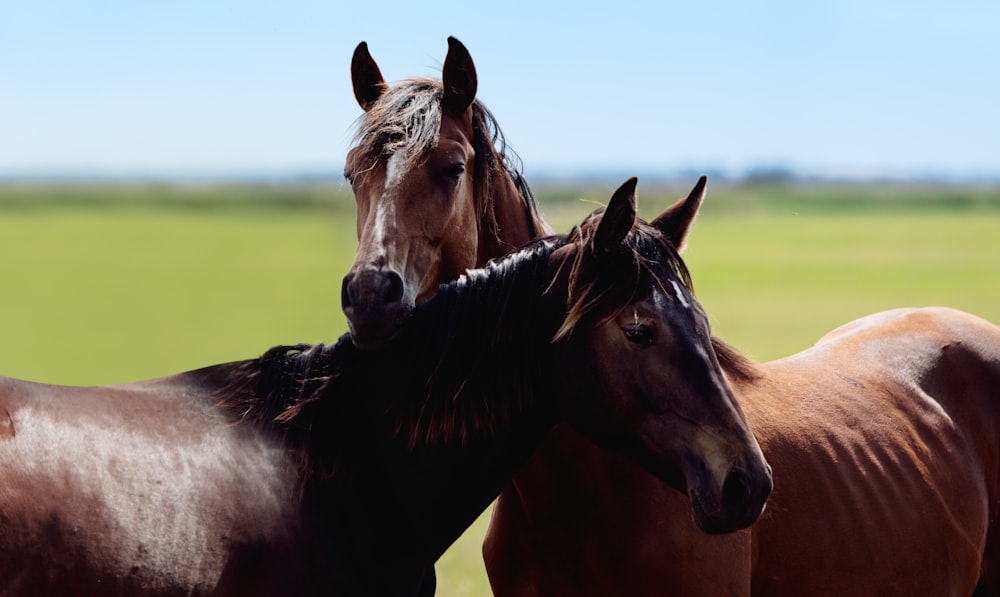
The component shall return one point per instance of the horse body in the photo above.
(885, 443)
(138, 486)
(884, 437)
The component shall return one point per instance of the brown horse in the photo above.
(472, 205)
(883, 438)
(331, 470)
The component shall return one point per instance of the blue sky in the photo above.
(173, 88)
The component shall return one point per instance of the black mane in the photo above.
(463, 366)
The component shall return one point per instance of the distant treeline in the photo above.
(796, 197)
(730, 197)
(175, 195)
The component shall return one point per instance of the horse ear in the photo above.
(366, 77)
(675, 221)
(618, 219)
(459, 77)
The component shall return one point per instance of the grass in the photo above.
(109, 284)
(775, 283)
(103, 296)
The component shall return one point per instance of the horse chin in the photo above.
(713, 515)
(708, 509)
(369, 343)
(374, 333)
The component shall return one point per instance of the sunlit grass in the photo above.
(104, 296)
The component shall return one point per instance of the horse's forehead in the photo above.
(680, 295)
(403, 152)
(395, 166)
(660, 283)
(456, 127)
(406, 118)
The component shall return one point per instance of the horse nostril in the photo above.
(345, 291)
(736, 488)
(394, 292)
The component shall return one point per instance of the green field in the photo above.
(105, 284)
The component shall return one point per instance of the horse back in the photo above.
(945, 361)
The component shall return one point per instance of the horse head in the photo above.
(654, 387)
(428, 181)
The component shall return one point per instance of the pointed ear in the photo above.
(675, 221)
(618, 219)
(366, 77)
(459, 77)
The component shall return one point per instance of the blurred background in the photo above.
(170, 173)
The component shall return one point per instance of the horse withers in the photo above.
(332, 470)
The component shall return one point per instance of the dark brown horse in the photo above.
(884, 441)
(329, 470)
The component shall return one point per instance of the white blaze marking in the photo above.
(680, 295)
(379, 226)
(383, 211)
(393, 168)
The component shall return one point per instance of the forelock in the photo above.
(641, 260)
(406, 121)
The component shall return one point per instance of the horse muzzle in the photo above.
(734, 504)
(376, 305)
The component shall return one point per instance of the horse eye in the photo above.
(639, 334)
(455, 170)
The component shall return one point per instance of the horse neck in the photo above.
(475, 402)
(510, 218)
(470, 339)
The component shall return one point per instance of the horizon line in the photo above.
(552, 175)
